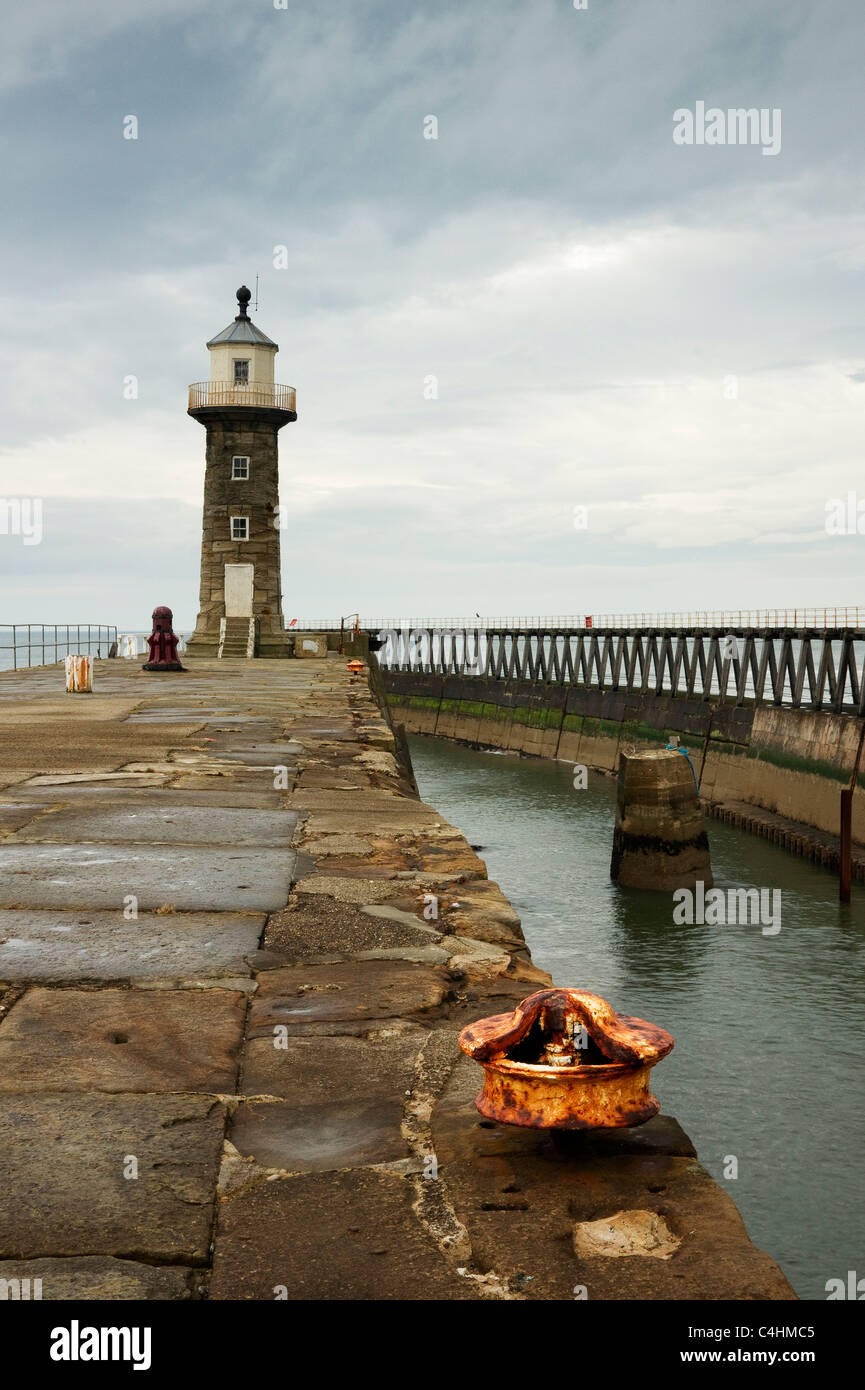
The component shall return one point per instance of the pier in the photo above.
(773, 716)
(236, 951)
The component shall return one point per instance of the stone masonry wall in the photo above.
(257, 497)
(786, 761)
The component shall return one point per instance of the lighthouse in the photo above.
(242, 409)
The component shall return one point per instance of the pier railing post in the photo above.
(844, 862)
(846, 849)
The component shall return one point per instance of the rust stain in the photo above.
(564, 1059)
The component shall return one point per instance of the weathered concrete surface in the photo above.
(258, 1075)
(659, 839)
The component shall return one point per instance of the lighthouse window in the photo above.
(240, 466)
(240, 528)
(241, 369)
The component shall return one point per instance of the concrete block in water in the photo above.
(660, 840)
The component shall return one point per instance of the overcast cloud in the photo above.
(582, 288)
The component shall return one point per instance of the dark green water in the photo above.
(770, 1030)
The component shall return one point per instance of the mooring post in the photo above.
(845, 858)
(78, 675)
(162, 643)
(659, 840)
(844, 863)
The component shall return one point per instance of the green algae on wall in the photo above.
(790, 760)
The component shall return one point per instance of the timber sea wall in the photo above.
(790, 764)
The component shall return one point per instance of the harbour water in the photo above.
(42, 644)
(770, 1029)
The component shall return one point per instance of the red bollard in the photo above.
(163, 644)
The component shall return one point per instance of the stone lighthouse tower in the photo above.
(243, 411)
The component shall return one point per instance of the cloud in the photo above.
(665, 335)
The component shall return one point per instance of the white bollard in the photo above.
(78, 679)
(129, 646)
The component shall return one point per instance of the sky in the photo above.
(550, 362)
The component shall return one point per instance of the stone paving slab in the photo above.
(250, 779)
(152, 717)
(187, 825)
(204, 764)
(363, 996)
(319, 923)
(63, 710)
(328, 993)
(330, 1236)
(360, 801)
(63, 1189)
(95, 1277)
(118, 793)
(201, 713)
(122, 1040)
(343, 1101)
(270, 751)
(348, 889)
(308, 1139)
(265, 762)
(304, 1073)
(75, 875)
(71, 747)
(403, 816)
(63, 946)
(15, 814)
(96, 779)
(342, 777)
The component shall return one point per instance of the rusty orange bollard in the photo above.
(356, 667)
(564, 1059)
(78, 675)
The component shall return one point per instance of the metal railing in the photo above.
(804, 669)
(41, 644)
(134, 644)
(736, 618)
(260, 394)
(373, 624)
(837, 617)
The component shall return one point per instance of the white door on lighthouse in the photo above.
(238, 590)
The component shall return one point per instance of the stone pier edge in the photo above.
(318, 1175)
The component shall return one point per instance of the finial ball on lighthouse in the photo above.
(241, 356)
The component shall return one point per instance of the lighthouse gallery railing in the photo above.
(260, 394)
